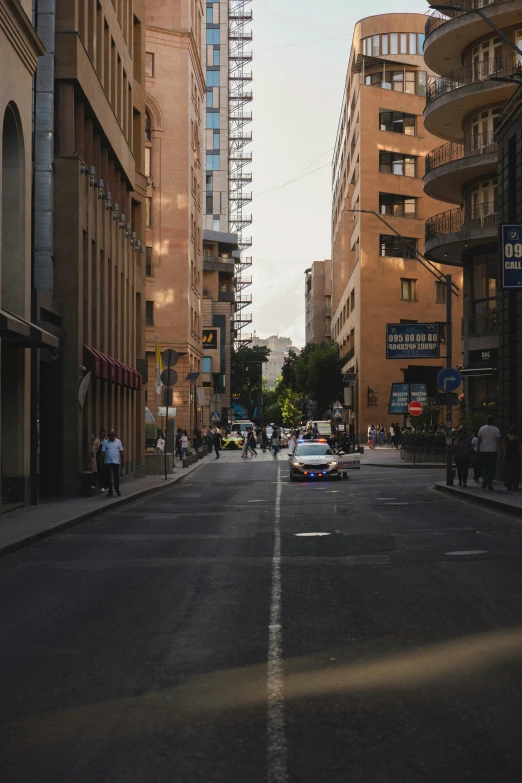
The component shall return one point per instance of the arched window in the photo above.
(13, 212)
(148, 145)
(148, 126)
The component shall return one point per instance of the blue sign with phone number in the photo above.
(412, 341)
(511, 256)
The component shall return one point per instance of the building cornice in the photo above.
(177, 39)
(19, 31)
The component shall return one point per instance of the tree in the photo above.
(246, 372)
(289, 405)
(315, 373)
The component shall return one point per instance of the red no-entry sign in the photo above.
(415, 408)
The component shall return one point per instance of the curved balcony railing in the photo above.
(455, 220)
(436, 18)
(473, 74)
(478, 144)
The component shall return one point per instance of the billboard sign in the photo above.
(412, 341)
(399, 399)
(418, 393)
(512, 256)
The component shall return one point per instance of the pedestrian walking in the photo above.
(100, 469)
(209, 439)
(382, 434)
(275, 443)
(488, 446)
(391, 431)
(372, 437)
(512, 458)
(251, 442)
(292, 443)
(475, 459)
(217, 441)
(315, 431)
(112, 451)
(184, 444)
(462, 450)
(160, 445)
(179, 433)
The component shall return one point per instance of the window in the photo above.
(149, 64)
(420, 42)
(148, 212)
(398, 81)
(216, 139)
(397, 122)
(209, 180)
(209, 14)
(213, 35)
(216, 59)
(440, 292)
(210, 98)
(213, 161)
(148, 127)
(212, 119)
(421, 83)
(148, 154)
(410, 82)
(408, 290)
(394, 43)
(384, 43)
(352, 299)
(148, 261)
(149, 313)
(212, 78)
(395, 247)
(397, 163)
(397, 206)
(404, 43)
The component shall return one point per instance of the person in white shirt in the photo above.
(475, 460)
(160, 445)
(488, 446)
(112, 450)
(292, 443)
(184, 444)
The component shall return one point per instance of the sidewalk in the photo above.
(500, 498)
(24, 526)
(388, 457)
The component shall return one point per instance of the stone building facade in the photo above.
(318, 302)
(20, 48)
(89, 270)
(378, 167)
(174, 209)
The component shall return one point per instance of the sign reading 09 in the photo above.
(512, 256)
(413, 341)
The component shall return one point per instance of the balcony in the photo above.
(451, 166)
(455, 94)
(227, 296)
(219, 264)
(449, 233)
(482, 324)
(448, 34)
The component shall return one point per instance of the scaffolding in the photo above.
(239, 98)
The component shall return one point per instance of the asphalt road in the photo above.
(197, 636)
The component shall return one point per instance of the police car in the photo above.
(315, 459)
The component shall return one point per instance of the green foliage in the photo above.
(289, 404)
(246, 369)
(430, 416)
(471, 421)
(315, 373)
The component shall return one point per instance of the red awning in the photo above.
(92, 361)
(119, 371)
(113, 370)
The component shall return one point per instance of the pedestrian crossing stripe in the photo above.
(216, 416)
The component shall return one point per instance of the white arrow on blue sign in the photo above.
(449, 379)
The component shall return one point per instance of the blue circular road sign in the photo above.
(449, 379)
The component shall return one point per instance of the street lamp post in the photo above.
(451, 290)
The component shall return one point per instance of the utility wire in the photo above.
(291, 181)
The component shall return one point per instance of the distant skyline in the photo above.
(298, 92)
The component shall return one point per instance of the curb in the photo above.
(480, 500)
(65, 524)
(405, 465)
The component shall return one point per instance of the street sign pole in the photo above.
(449, 362)
(167, 430)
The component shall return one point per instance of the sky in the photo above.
(298, 93)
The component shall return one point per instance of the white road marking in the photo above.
(256, 501)
(469, 552)
(397, 504)
(312, 534)
(277, 772)
(385, 498)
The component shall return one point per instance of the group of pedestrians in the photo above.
(482, 451)
(107, 456)
(377, 435)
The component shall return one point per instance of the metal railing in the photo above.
(437, 18)
(480, 144)
(483, 323)
(455, 220)
(472, 74)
